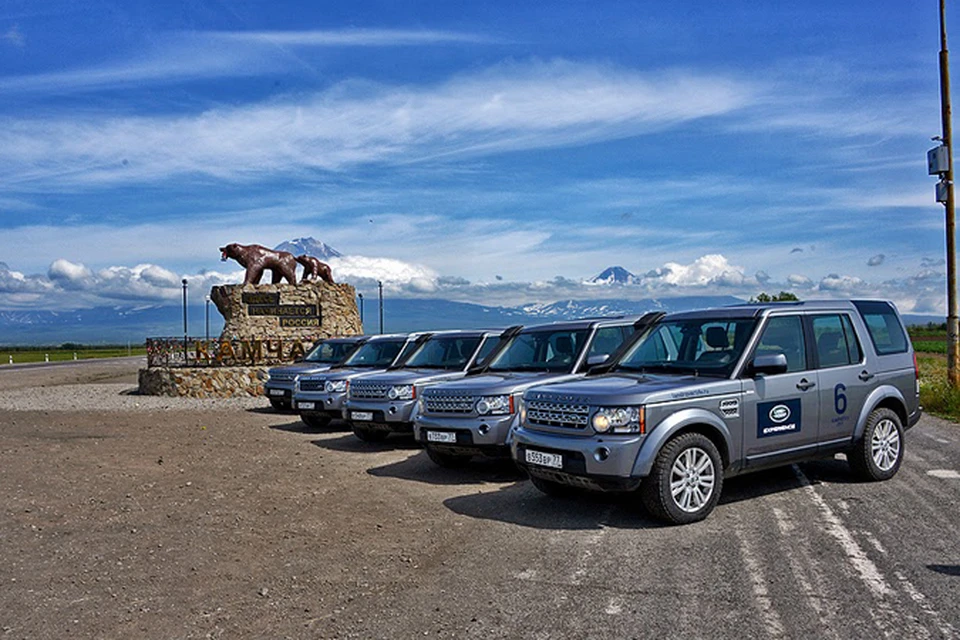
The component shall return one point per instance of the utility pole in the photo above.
(380, 289)
(184, 283)
(953, 347)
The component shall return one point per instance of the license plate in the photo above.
(441, 436)
(276, 392)
(306, 405)
(362, 416)
(541, 459)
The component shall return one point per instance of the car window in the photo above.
(836, 343)
(883, 326)
(542, 350)
(443, 352)
(487, 348)
(606, 341)
(784, 334)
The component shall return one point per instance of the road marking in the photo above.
(946, 629)
(800, 568)
(758, 584)
(946, 474)
(869, 573)
(590, 541)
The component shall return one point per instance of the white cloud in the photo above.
(349, 37)
(507, 107)
(707, 270)
(798, 280)
(69, 275)
(14, 37)
(845, 284)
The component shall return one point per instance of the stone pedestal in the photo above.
(306, 311)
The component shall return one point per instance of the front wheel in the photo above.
(315, 422)
(685, 482)
(878, 454)
(370, 435)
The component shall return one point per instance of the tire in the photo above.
(314, 421)
(878, 454)
(551, 488)
(448, 460)
(686, 480)
(370, 435)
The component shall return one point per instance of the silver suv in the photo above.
(279, 385)
(384, 403)
(318, 398)
(474, 416)
(705, 395)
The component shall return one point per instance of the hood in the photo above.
(504, 383)
(346, 374)
(414, 376)
(299, 368)
(618, 388)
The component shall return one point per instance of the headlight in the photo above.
(618, 420)
(335, 386)
(422, 405)
(523, 411)
(495, 405)
(296, 384)
(402, 392)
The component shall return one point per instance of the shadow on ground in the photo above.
(946, 569)
(299, 426)
(352, 444)
(420, 468)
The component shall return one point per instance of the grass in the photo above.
(936, 395)
(27, 355)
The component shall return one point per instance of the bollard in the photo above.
(74, 355)
(46, 357)
(11, 359)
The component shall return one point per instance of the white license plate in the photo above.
(441, 436)
(362, 416)
(306, 405)
(276, 392)
(539, 458)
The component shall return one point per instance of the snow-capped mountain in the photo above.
(614, 275)
(309, 246)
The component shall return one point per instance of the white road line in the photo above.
(591, 541)
(812, 594)
(946, 474)
(945, 628)
(773, 625)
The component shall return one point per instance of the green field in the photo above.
(24, 355)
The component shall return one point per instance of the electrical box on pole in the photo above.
(938, 161)
(942, 188)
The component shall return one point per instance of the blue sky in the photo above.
(496, 152)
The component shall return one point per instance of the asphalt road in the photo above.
(219, 523)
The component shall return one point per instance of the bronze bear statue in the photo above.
(313, 269)
(255, 258)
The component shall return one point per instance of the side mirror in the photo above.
(770, 364)
(600, 358)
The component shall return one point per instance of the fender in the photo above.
(877, 396)
(663, 431)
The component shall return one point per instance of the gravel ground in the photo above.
(113, 396)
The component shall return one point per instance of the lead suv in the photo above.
(473, 416)
(279, 385)
(385, 403)
(705, 395)
(318, 398)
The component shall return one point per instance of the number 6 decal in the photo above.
(839, 399)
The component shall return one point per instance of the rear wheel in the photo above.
(448, 460)
(370, 435)
(551, 488)
(315, 421)
(878, 454)
(685, 482)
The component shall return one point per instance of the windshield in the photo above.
(701, 346)
(554, 351)
(444, 353)
(329, 352)
(375, 353)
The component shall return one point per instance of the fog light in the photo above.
(393, 410)
(484, 429)
(601, 454)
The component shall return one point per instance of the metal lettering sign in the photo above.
(283, 310)
(260, 297)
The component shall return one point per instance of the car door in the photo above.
(781, 411)
(842, 380)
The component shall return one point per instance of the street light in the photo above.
(206, 300)
(380, 289)
(184, 283)
(360, 296)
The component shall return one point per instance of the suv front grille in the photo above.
(307, 384)
(556, 414)
(448, 403)
(368, 390)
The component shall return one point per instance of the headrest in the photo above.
(717, 338)
(564, 344)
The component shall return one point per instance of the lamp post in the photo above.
(380, 290)
(206, 310)
(184, 283)
(360, 296)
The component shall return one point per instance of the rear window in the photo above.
(884, 327)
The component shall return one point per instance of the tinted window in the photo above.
(883, 326)
(329, 352)
(444, 353)
(541, 351)
(836, 343)
(606, 341)
(375, 353)
(784, 334)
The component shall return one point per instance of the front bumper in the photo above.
(280, 391)
(602, 463)
(486, 435)
(319, 403)
(389, 415)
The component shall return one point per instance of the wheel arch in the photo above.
(686, 421)
(886, 397)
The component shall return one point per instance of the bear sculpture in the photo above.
(313, 269)
(255, 258)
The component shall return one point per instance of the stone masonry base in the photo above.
(210, 382)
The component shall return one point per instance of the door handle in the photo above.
(866, 375)
(804, 384)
